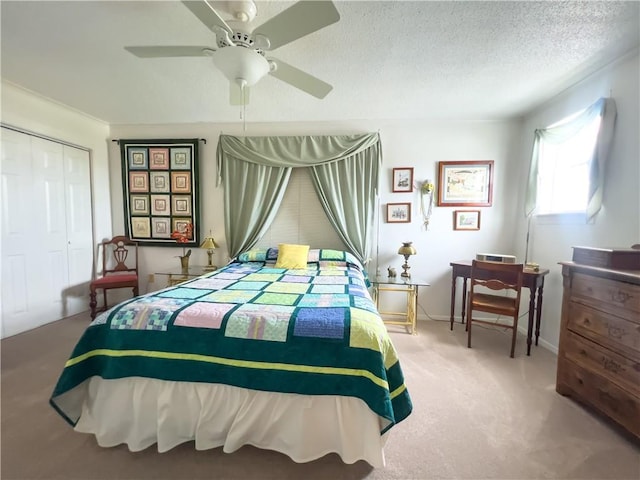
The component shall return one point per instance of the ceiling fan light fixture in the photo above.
(241, 63)
(243, 10)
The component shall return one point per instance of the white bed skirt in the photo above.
(142, 411)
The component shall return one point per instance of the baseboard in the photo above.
(458, 321)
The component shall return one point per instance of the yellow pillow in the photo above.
(292, 256)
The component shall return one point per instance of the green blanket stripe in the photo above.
(187, 340)
(183, 369)
(231, 362)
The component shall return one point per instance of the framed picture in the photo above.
(139, 205)
(398, 212)
(161, 190)
(403, 179)
(465, 183)
(159, 158)
(466, 220)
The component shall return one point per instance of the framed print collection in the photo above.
(161, 191)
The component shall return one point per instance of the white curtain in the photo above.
(605, 108)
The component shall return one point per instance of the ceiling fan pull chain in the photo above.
(243, 96)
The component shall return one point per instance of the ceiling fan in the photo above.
(240, 55)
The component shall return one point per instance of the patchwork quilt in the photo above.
(311, 331)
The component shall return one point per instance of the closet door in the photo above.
(17, 242)
(47, 231)
(79, 231)
(49, 228)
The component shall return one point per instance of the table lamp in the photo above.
(210, 244)
(406, 250)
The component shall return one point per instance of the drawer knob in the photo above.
(620, 297)
(611, 365)
(616, 332)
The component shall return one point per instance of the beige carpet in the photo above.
(477, 414)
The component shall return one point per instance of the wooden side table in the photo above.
(410, 286)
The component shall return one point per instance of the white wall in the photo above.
(417, 144)
(421, 145)
(405, 144)
(26, 111)
(618, 223)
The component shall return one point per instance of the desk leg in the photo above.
(464, 298)
(453, 297)
(532, 307)
(539, 311)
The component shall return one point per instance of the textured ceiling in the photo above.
(386, 60)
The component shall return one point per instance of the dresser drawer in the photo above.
(605, 293)
(601, 394)
(608, 330)
(609, 364)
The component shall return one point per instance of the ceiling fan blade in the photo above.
(236, 96)
(207, 15)
(170, 51)
(299, 79)
(300, 19)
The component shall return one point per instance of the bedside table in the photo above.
(410, 287)
(178, 275)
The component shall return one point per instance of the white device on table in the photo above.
(495, 257)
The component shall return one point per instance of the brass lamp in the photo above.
(406, 250)
(210, 244)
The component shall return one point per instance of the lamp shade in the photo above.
(209, 243)
(240, 64)
(407, 249)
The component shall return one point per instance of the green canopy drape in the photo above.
(255, 172)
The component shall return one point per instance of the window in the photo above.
(568, 163)
(563, 181)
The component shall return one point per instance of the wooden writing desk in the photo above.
(533, 280)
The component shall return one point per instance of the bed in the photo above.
(295, 360)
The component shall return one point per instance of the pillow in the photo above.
(255, 255)
(292, 256)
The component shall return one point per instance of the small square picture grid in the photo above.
(161, 227)
(180, 159)
(137, 158)
(160, 205)
(139, 205)
(159, 182)
(138, 182)
(180, 182)
(160, 190)
(159, 158)
(181, 205)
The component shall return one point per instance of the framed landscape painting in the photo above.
(466, 220)
(465, 183)
(161, 190)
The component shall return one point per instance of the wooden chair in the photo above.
(119, 269)
(504, 280)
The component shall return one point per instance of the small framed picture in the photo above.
(138, 182)
(159, 158)
(466, 220)
(403, 179)
(398, 212)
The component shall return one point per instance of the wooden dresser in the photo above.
(599, 350)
